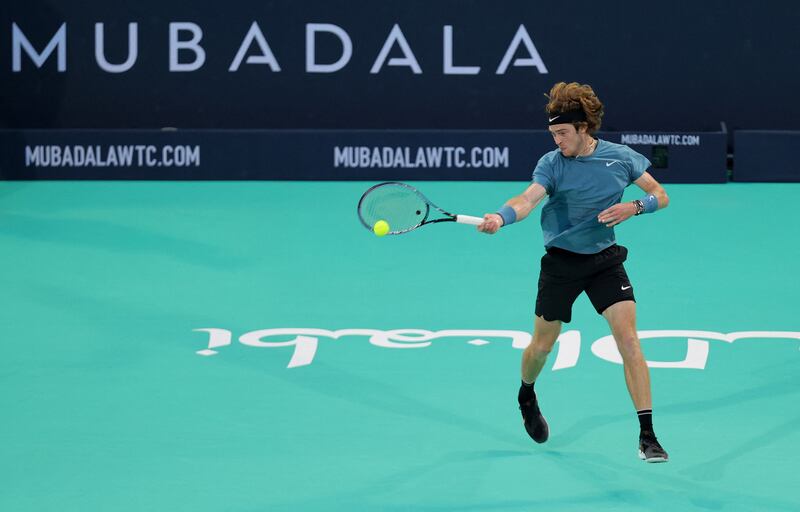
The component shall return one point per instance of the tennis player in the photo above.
(584, 180)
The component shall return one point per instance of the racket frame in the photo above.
(449, 217)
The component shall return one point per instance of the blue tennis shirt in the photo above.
(579, 189)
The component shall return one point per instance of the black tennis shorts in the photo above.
(565, 274)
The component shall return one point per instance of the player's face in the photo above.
(567, 139)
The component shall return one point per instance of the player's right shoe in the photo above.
(535, 424)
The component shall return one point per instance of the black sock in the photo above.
(526, 392)
(645, 420)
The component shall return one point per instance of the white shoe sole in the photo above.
(652, 460)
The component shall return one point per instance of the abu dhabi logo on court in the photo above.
(186, 51)
(301, 344)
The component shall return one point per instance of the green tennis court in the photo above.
(249, 346)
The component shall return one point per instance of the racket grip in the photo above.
(469, 219)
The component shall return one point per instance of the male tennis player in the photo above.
(584, 179)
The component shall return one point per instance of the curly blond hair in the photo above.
(565, 97)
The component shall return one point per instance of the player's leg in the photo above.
(544, 337)
(621, 319)
(545, 334)
(612, 295)
(554, 301)
(558, 289)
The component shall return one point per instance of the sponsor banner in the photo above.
(411, 64)
(766, 155)
(509, 155)
(680, 157)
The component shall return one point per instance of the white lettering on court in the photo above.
(305, 342)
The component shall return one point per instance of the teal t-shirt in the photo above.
(579, 189)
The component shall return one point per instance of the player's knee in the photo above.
(628, 344)
(541, 346)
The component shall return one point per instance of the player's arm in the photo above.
(518, 206)
(650, 186)
(655, 198)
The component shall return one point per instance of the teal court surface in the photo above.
(249, 346)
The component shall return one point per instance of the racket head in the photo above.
(400, 205)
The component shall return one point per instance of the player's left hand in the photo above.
(618, 213)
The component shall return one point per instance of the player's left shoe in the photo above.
(650, 449)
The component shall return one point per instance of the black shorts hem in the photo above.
(554, 319)
(615, 301)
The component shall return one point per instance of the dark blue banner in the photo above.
(416, 64)
(328, 154)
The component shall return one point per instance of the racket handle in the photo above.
(469, 219)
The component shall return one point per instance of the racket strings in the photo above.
(398, 205)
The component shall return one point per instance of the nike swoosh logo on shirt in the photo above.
(626, 287)
(609, 164)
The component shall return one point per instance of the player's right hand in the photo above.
(491, 223)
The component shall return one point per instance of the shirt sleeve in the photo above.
(543, 175)
(637, 164)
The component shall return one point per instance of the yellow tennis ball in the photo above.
(381, 228)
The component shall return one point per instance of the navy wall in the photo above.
(766, 156)
(657, 65)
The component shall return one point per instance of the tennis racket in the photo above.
(404, 208)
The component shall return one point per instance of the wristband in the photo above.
(650, 203)
(508, 214)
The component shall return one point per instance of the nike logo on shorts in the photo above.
(626, 287)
